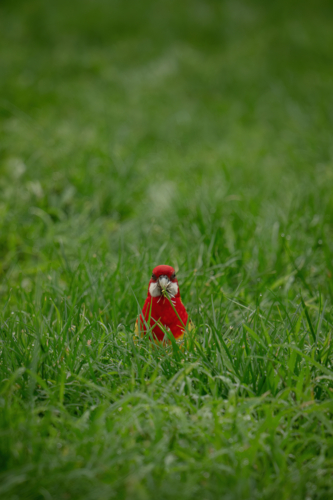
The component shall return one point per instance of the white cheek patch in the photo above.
(169, 286)
(154, 290)
(173, 288)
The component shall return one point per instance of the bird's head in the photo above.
(163, 282)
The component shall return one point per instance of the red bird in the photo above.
(163, 306)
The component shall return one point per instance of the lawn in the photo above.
(191, 133)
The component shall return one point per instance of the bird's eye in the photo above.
(154, 277)
(173, 276)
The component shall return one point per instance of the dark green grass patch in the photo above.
(196, 134)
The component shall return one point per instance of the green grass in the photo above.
(196, 134)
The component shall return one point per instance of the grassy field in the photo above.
(196, 134)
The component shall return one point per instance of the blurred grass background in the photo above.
(194, 133)
(172, 123)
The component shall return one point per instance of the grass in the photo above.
(196, 134)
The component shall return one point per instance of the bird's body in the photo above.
(163, 308)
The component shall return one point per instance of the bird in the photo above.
(163, 308)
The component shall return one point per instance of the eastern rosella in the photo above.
(163, 307)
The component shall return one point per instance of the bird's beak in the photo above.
(163, 282)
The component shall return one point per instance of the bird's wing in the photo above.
(189, 328)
